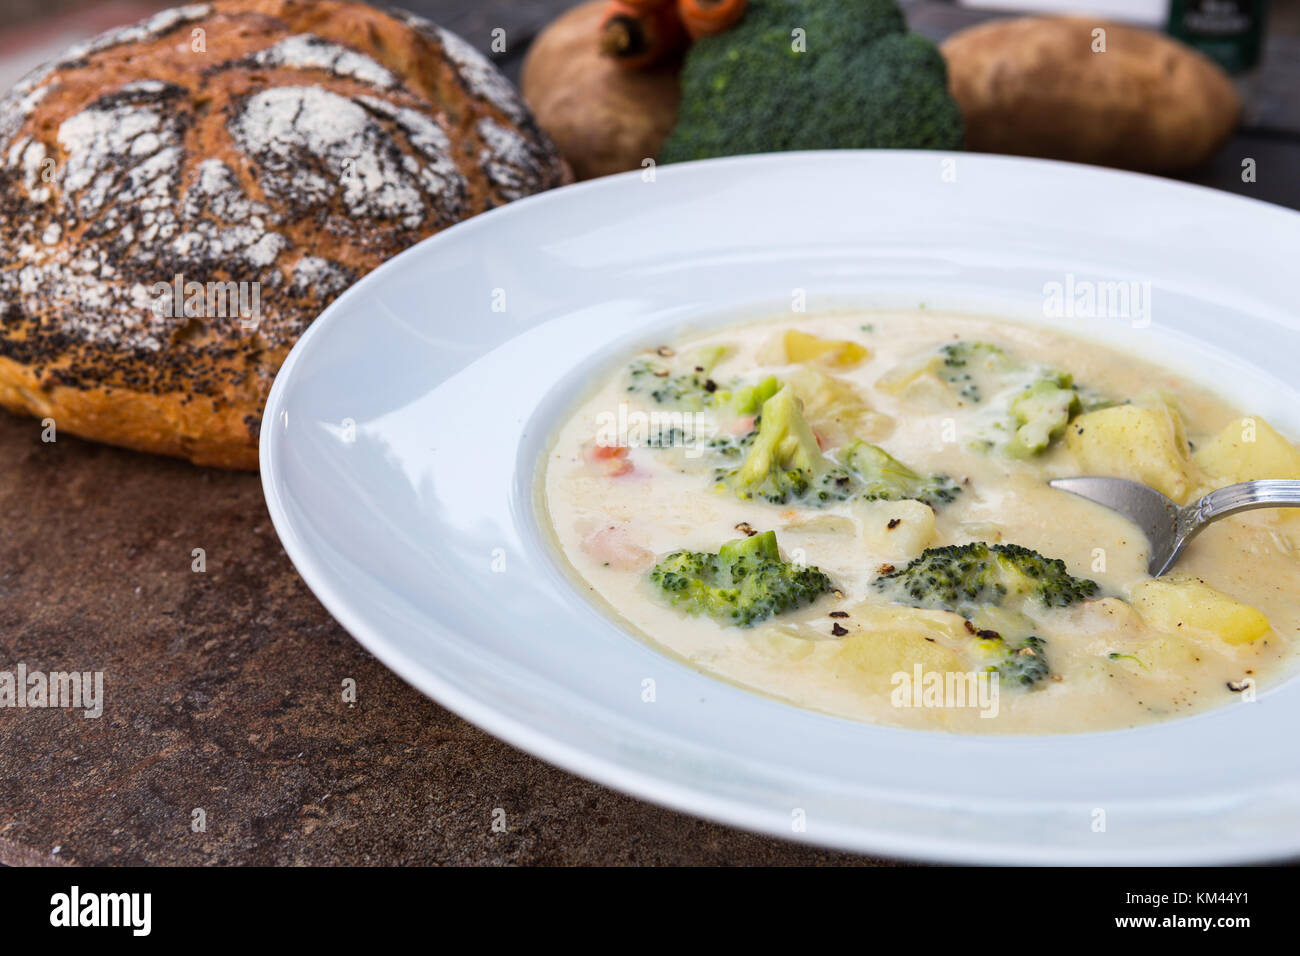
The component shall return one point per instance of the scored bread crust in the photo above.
(289, 145)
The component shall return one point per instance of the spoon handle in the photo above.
(1247, 496)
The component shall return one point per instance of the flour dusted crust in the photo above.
(307, 143)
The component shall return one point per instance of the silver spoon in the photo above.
(1169, 527)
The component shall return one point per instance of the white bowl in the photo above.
(402, 437)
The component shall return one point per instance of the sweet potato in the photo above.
(603, 119)
(1041, 86)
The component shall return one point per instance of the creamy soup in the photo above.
(902, 462)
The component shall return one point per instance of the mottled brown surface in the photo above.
(222, 692)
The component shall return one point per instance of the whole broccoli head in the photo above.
(962, 577)
(898, 97)
(745, 583)
(798, 75)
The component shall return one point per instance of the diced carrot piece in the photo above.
(607, 452)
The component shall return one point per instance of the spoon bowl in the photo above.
(1169, 526)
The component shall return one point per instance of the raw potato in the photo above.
(1248, 450)
(1190, 606)
(1033, 86)
(603, 119)
(1133, 442)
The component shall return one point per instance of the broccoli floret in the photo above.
(686, 391)
(963, 577)
(856, 81)
(1040, 414)
(977, 580)
(784, 459)
(732, 446)
(690, 391)
(745, 583)
(785, 464)
(1024, 663)
(669, 438)
(750, 398)
(1036, 404)
(882, 477)
(968, 366)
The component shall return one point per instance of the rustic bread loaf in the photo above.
(181, 198)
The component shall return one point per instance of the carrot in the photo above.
(612, 460)
(706, 17)
(635, 37)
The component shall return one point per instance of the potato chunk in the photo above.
(901, 378)
(1185, 605)
(895, 532)
(1159, 657)
(890, 640)
(838, 353)
(1137, 442)
(1248, 450)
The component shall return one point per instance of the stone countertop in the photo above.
(222, 694)
(222, 687)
